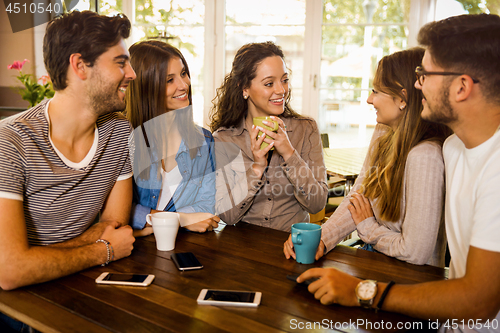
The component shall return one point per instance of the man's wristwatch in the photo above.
(365, 292)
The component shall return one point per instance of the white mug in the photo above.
(165, 227)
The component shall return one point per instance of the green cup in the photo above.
(305, 239)
(258, 121)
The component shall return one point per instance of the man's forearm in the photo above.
(476, 295)
(43, 263)
(88, 237)
(450, 299)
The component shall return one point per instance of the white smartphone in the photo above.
(186, 261)
(230, 298)
(139, 280)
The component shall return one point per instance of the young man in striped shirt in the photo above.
(65, 161)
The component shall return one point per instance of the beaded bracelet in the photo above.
(109, 250)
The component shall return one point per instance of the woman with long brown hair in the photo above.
(396, 204)
(272, 188)
(173, 158)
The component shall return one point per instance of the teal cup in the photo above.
(305, 239)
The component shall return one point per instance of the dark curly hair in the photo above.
(229, 106)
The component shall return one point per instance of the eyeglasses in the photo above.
(421, 73)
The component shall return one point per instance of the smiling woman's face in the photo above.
(268, 90)
(387, 107)
(178, 83)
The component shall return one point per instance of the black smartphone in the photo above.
(294, 277)
(186, 261)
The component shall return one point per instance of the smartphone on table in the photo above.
(186, 261)
(125, 279)
(230, 298)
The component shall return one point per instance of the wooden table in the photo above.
(242, 257)
(345, 163)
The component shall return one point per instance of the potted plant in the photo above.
(34, 90)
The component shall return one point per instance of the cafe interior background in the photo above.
(332, 47)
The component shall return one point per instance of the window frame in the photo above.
(422, 11)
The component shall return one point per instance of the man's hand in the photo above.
(332, 286)
(121, 239)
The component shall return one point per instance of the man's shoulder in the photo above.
(452, 142)
(117, 117)
(112, 121)
(32, 120)
(452, 146)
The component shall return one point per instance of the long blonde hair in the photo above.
(384, 180)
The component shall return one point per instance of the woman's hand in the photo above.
(259, 155)
(289, 252)
(280, 138)
(148, 230)
(360, 208)
(205, 225)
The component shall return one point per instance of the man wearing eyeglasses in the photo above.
(460, 81)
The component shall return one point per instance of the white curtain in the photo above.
(421, 12)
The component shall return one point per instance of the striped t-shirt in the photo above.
(61, 199)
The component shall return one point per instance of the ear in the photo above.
(463, 88)
(245, 93)
(77, 66)
(400, 102)
(405, 93)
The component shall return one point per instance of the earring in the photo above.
(245, 96)
(402, 107)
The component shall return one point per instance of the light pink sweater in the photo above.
(418, 236)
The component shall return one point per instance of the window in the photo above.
(355, 36)
(180, 23)
(279, 21)
(332, 47)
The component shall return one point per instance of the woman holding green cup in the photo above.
(284, 169)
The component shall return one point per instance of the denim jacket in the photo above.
(195, 193)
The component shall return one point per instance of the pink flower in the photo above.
(44, 79)
(17, 65)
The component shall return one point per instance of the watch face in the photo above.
(367, 290)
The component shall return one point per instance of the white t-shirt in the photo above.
(170, 182)
(472, 212)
